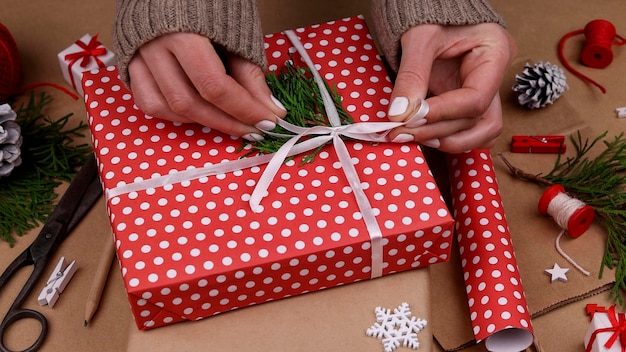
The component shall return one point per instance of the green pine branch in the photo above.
(296, 89)
(600, 182)
(49, 157)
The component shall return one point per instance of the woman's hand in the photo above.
(460, 68)
(181, 77)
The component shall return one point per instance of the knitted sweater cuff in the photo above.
(392, 18)
(232, 24)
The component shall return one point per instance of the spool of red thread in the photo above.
(597, 51)
(600, 35)
(9, 64)
(576, 222)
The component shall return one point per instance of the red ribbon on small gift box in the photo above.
(618, 327)
(85, 54)
(93, 49)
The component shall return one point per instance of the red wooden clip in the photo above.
(538, 144)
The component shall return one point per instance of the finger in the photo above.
(411, 84)
(183, 102)
(483, 134)
(252, 78)
(458, 135)
(472, 99)
(147, 94)
(207, 74)
(480, 72)
(431, 133)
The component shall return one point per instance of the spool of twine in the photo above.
(569, 213)
(9, 64)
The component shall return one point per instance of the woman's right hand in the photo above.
(180, 77)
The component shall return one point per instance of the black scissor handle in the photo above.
(19, 314)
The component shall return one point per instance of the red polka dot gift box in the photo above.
(191, 245)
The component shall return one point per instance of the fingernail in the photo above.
(398, 106)
(265, 125)
(433, 143)
(253, 137)
(403, 138)
(277, 102)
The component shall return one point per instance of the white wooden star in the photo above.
(557, 273)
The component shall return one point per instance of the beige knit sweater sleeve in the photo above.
(232, 24)
(235, 24)
(392, 18)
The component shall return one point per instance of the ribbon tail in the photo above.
(365, 207)
(270, 171)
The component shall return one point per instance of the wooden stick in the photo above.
(524, 175)
(100, 279)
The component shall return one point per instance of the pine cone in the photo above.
(540, 85)
(10, 140)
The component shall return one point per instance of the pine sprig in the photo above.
(49, 157)
(296, 89)
(600, 182)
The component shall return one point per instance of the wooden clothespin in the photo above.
(538, 144)
(57, 282)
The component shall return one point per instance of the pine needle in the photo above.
(601, 183)
(295, 88)
(49, 157)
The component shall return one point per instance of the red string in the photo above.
(49, 84)
(10, 68)
(600, 35)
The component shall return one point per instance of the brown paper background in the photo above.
(336, 319)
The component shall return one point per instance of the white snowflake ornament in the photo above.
(396, 328)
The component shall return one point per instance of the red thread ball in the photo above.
(9, 64)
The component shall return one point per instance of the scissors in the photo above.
(82, 193)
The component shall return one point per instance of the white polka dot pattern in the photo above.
(193, 249)
(494, 289)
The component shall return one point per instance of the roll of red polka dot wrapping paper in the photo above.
(193, 248)
(496, 298)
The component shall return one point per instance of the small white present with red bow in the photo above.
(607, 331)
(85, 54)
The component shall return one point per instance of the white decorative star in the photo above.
(557, 273)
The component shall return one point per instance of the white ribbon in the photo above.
(320, 135)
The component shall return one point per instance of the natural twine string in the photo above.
(562, 207)
(567, 257)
